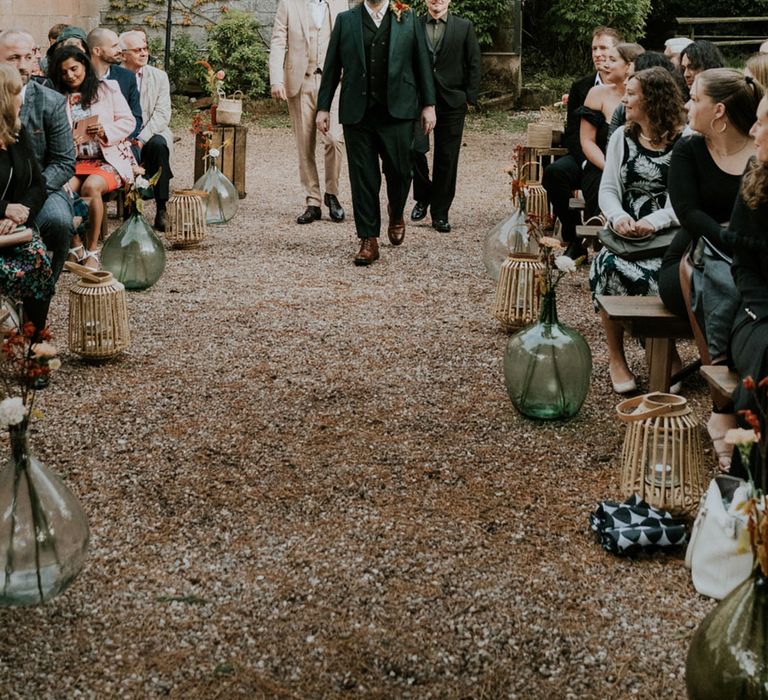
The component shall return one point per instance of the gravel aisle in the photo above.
(305, 480)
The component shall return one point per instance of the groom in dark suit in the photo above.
(456, 64)
(387, 83)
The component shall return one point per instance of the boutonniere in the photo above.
(398, 8)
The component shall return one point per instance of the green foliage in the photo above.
(484, 15)
(236, 47)
(184, 53)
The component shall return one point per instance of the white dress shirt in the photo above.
(377, 15)
(318, 10)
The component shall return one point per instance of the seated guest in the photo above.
(748, 235)
(673, 47)
(155, 139)
(25, 271)
(633, 197)
(704, 178)
(757, 68)
(104, 158)
(44, 118)
(595, 114)
(698, 56)
(53, 37)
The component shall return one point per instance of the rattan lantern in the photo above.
(98, 315)
(662, 460)
(518, 294)
(186, 226)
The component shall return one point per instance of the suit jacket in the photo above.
(26, 185)
(289, 47)
(127, 82)
(156, 106)
(118, 122)
(409, 70)
(44, 117)
(576, 96)
(456, 62)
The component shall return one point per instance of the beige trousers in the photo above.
(303, 110)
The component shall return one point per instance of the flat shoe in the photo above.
(626, 387)
(723, 451)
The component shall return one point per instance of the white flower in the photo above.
(54, 363)
(214, 153)
(565, 264)
(740, 436)
(12, 411)
(141, 182)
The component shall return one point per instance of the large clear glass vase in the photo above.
(509, 236)
(43, 529)
(134, 254)
(728, 656)
(547, 367)
(222, 201)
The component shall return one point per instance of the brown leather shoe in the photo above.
(396, 228)
(369, 251)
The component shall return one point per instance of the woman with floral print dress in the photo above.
(633, 198)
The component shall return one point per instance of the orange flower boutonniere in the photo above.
(398, 8)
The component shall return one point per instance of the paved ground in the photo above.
(305, 479)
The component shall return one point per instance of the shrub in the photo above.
(236, 47)
(484, 15)
(182, 68)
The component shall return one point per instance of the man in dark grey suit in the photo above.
(44, 116)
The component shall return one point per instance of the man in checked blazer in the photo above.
(300, 37)
(44, 117)
(155, 140)
(456, 64)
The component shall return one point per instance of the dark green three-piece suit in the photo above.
(387, 80)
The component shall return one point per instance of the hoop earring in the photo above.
(718, 131)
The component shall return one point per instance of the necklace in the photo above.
(727, 154)
(651, 141)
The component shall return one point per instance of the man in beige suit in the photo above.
(155, 140)
(300, 38)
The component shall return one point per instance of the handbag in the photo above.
(230, 109)
(717, 566)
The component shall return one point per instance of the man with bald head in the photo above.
(44, 116)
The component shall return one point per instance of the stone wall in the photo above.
(37, 16)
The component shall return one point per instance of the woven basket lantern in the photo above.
(98, 315)
(518, 296)
(186, 227)
(662, 459)
(536, 200)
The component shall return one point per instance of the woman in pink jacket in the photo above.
(104, 157)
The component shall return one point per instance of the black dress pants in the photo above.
(560, 179)
(378, 142)
(155, 156)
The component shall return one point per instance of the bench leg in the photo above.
(660, 352)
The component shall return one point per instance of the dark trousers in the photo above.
(154, 156)
(378, 136)
(590, 187)
(440, 191)
(560, 179)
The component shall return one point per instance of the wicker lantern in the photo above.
(518, 296)
(98, 315)
(662, 459)
(186, 226)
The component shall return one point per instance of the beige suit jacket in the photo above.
(155, 98)
(289, 48)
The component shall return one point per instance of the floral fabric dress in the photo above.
(90, 160)
(644, 176)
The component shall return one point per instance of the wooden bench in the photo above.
(647, 317)
(721, 379)
(724, 39)
(588, 234)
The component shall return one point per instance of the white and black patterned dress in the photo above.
(644, 176)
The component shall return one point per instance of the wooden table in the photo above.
(648, 318)
(231, 162)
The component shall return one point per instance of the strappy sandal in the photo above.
(76, 254)
(96, 255)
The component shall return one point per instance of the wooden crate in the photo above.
(231, 162)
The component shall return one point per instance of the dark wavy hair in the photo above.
(739, 94)
(754, 184)
(651, 59)
(703, 55)
(90, 86)
(663, 104)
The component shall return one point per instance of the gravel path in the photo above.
(305, 480)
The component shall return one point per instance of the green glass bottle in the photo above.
(134, 254)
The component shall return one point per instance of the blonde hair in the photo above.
(10, 86)
(758, 67)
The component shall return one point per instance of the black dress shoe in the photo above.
(334, 208)
(576, 250)
(441, 225)
(160, 220)
(310, 214)
(419, 211)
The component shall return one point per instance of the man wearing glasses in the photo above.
(155, 140)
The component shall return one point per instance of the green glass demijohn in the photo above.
(547, 367)
(134, 254)
(222, 200)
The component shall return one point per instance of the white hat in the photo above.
(677, 43)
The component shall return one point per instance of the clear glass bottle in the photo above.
(509, 236)
(134, 254)
(43, 529)
(223, 200)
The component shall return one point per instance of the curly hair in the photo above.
(10, 86)
(754, 184)
(663, 104)
(703, 55)
(739, 94)
(90, 85)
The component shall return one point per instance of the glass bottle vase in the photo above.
(728, 656)
(509, 236)
(547, 366)
(134, 254)
(222, 200)
(43, 529)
